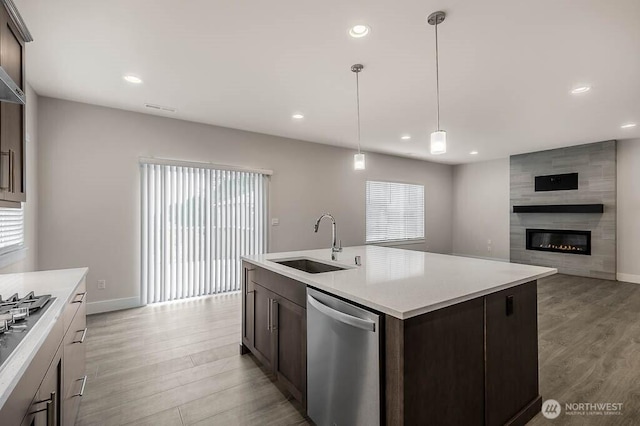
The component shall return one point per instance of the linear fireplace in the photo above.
(562, 241)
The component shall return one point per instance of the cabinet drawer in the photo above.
(77, 300)
(292, 290)
(73, 366)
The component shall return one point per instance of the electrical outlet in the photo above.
(102, 284)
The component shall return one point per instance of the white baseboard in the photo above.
(628, 278)
(497, 259)
(112, 305)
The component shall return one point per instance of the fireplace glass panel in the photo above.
(563, 241)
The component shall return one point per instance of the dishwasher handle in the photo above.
(341, 316)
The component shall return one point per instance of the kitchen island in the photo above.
(458, 341)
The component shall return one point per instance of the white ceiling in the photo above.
(506, 68)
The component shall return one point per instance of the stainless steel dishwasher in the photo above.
(343, 362)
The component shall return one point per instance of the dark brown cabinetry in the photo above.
(512, 353)
(274, 326)
(476, 362)
(435, 367)
(290, 325)
(264, 338)
(12, 116)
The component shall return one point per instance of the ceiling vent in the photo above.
(160, 107)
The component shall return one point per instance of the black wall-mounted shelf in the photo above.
(560, 208)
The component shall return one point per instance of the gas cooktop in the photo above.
(17, 317)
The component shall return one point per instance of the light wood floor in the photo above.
(178, 363)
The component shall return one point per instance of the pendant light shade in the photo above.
(358, 159)
(439, 137)
(438, 142)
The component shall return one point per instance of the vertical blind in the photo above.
(196, 223)
(11, 229)
(394, 211)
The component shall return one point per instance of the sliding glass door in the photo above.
(196, 224)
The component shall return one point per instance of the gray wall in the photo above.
(481, 209)
(629, 210)
(28, 260)
(596, 167)
(89, 186)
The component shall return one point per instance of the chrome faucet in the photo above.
(335, 246)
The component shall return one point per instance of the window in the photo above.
(11, 229)
(395, 212)
(196, 224)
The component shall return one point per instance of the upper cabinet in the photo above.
(13, 35)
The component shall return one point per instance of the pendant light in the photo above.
(439, 137)
(358, 159)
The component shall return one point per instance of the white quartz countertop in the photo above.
(59, 284)
(404, 283)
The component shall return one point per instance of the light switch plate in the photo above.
(275, 221)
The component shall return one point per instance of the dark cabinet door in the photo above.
(290, 327)
(511, 352)
(12, 121)
(263, 330)
(442, 370)
(274, 326)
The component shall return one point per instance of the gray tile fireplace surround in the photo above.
(596, 167)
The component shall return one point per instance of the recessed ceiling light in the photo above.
(628, 125)
(580, 89)
(405, 137)
(132, 79)
(474, 153)
(360, 30)
(297, 116)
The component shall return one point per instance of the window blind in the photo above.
(11, 229)
(394, 212)
(196, 223)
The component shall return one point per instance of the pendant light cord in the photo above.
(358, 105)
(437, 80)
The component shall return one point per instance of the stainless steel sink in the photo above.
(308, 265)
